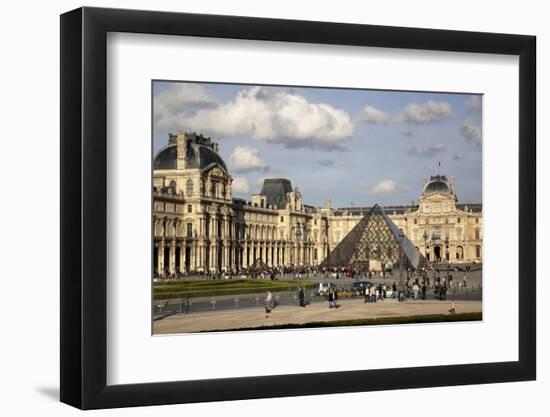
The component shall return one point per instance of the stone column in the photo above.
(183, 247)
(226, 243)
(160, 257)
(192, 262)
(172, 258)
(201, 257)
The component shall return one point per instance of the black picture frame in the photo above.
(84, 207)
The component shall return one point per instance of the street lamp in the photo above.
(447, 256)
(434, 238)
(425, 236)
(401, 296)
(298, 236)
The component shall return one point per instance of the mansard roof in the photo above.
(275, 190)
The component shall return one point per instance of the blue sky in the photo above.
(352, 146)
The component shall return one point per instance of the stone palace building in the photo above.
(200, 227)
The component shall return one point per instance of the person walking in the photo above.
(424, 290)
(415, 291)
(268, 303)
(301, 296)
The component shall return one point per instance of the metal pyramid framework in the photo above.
(375, 237)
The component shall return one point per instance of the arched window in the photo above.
(213, 189)
(189, 187)
(459, 252)
(173, 186)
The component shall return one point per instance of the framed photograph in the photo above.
(261, 208)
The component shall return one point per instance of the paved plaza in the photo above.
(319, 312)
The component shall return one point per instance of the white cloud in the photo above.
(279, 116)
(245, 159)
(473, 102)
(384, 186)
(172, 107)
(240, 186)
(427, 151)
(429, 112)
(471, 131)
(372, 115)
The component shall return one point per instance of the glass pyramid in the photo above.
(375, 237)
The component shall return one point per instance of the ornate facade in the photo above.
(199, 226)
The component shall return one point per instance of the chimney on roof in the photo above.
(181, 143)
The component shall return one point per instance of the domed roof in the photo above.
(198, 156)
(437, 184)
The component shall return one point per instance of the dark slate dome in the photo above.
(437, 185)
(198, 156)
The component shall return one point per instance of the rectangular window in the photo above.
(282, 219)
(189, 229)
(458, 220)
(478, 251)
(189, 209)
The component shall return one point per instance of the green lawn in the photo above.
(208, 288)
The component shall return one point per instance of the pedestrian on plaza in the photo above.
(366, 294)
(424, 290)
(301, 296)
(380, 295)
(187, 304)
(452, 310)
(464, 281)
(394, 290)
(335, 298)
(415, 290)
(268, 303)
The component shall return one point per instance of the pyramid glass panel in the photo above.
(375, 237)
